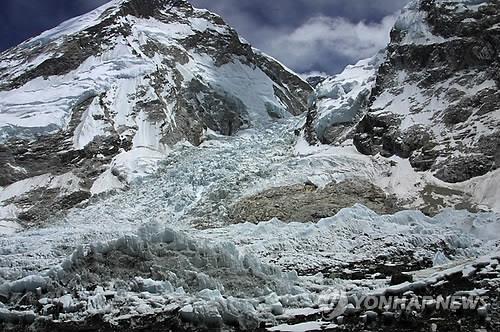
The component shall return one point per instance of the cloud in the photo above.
(307, 35)
(311, 35)
(296, 12)
(323, 41)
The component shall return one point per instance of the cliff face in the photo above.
(342, 100)
(432, 97)
(95, 103)
(436, 96)
(428, 103)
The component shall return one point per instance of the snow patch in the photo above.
(128, 167)
(90, 125)
(413, 23)
(340, 98)
(68, 183)
(73, 25)
(8, 215)
(485, 190)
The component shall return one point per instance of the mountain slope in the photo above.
(437, 93)
(95, 103)
(341, 100)
(429, 103)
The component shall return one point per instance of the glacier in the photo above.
(181, 256)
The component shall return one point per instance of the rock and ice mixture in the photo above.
(163, 162)
(436, 98)
(429, 102)
(95, 103)
(165, 252)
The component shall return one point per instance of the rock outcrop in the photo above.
(432, 97)
(436, 95)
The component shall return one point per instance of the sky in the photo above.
(306, 35)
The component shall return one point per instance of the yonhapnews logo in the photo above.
(346, 304)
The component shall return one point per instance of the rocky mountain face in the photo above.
(93, 104)
(436, 97)
(432, 97)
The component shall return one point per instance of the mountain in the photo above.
(95, 103)
(446, 117)
(161, 174)
(341, 100)
(431, 98)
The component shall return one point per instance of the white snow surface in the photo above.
(485, 189)
(339, 95)
(420, 107)
(68, 183)
(45, 104)
(412, 22)
(188, 184)
(195, 182)
(74, 25)
(131, 166)
(8, 214)
(343, 89)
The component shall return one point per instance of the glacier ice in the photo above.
(341, 99)
(237, 274)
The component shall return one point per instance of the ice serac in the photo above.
(342, 100)
(436, 98)
(102, 97)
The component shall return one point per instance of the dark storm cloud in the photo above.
(312, 35)
(307, 35)
(293, 12)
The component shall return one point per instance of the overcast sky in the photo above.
(307, 35)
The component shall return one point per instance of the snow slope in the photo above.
(428, 103)
(193, 188)
(189, 131)
(341, 99)
(108, 94)
(435, 101)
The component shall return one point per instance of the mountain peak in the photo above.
(90, 34)
(431, 99)
(105, 93)
(259, 230)
(150, 8)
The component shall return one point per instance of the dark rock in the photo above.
(151, 8)
(466, 58)
(299, 91)
(457, 114)
(74, 51)
(309, 131)
(222, 113)
(400, 278)
(423, 160)
(375, 134)
(461, 169)
(197, 104)
(314, 81)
